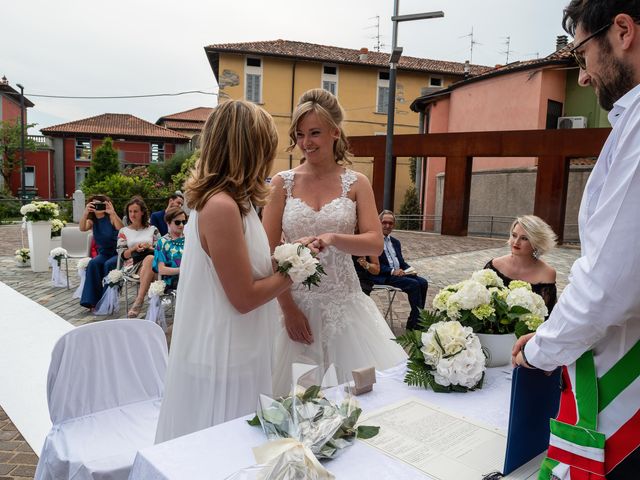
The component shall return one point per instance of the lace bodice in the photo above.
(337, 216)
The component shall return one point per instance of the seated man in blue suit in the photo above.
(157, 218)
(396, 272)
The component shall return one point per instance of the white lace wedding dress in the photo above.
(348, 328)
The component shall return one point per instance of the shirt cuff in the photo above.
(536, 358)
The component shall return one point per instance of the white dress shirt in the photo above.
(390, 252)
(600, 308)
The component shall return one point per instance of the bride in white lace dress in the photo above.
(322, 200)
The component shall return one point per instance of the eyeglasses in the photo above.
(179, 222)
(579, 57)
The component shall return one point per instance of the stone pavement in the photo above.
(442, 259)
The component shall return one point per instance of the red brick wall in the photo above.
(42, 160)
(10, 109)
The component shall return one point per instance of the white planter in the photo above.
(22, 264)
(497, 348)
(39, 234)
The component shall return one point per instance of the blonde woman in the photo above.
(322, 199)
(529, 238)
(225, 316)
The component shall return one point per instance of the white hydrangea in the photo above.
(58, 252)
(441, 299)
(470, 295)
(114, 276)
(464, 362)
(28, 208)
(156, 288)
(522, 297)
(56, 225)
(488, 278)
(83, 263)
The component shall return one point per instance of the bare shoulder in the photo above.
(362, 179)
(220, 205)
(547, 272)
(500, 262)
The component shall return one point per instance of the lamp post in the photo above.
(22, 174)
(396, 52)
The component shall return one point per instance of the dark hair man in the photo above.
(157, 218)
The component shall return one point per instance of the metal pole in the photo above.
(391, 107)
(24, 194)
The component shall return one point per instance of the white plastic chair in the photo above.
(76, 243)
(105, 385)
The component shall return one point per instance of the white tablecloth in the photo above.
(217, 452)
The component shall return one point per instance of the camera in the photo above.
(99, 206)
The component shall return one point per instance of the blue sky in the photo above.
(134, 47)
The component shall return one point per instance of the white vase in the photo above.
(497, 348)
(39, 234)
(21, 264)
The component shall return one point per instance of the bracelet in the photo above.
(524, 358)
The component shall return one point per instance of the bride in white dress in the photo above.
(334, 322)
(226, 316)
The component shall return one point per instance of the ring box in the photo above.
(364, 378)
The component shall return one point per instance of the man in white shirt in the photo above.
(594, 330)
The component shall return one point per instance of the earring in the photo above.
(535, 254)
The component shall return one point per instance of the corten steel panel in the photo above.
(554, 147)
(552, 184)
(457, 191)
(377, 182)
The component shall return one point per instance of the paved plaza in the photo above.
(442, 259)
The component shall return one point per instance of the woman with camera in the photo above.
(136, 243)
(99, 217)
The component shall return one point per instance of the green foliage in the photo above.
(410, 206)
(185, 171)
(172, 166)
(122, 187)
(104, 163)
(367, 431)
(412, 169)
(9, 207)
(10, 147)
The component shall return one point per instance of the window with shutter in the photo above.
(253, 80)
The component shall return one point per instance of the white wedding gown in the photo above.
(220, 360)
(348, 328)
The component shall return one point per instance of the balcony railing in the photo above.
(553, 148)
(41, 141)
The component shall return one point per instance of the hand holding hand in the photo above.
(398, 272)
(323, 241)
(308, 242)
(297, 326)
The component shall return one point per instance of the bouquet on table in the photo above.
(109, 303)
(155, 313)
(83, 263)
(55, 260)
(443, 355)
(313, 422)
(297, 261)
(487, 306)
(39, 211)
(22, 257)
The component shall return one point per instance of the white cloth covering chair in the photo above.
(105, 386)
(76, 243)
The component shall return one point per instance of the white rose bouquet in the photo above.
(297, 261)
(155, 312)
(444, 355)
(58, 254)
(40, 211)
(114, 278)
(487, 306)
(109, 303)
(55, 260)
(23, 255)
(156, 288)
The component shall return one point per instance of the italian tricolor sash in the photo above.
(577, 449)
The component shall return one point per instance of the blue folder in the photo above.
(535, 398)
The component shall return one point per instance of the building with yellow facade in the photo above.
(275, 73)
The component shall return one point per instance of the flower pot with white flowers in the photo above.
(56, 232)
(38, 216)
(498, 314)
(23, 258)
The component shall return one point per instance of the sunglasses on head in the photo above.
(180, 222)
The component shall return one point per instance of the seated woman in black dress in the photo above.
(530, 238)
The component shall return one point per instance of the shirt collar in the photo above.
(622, 104)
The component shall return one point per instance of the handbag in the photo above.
(137, 257)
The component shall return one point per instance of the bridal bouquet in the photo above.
(487, 306)
(155, 312)
(297, 261)
(311, 423)
(443, 355)
(109, 303)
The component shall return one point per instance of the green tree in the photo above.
(10, 133)
(167, 169)
(104, 163)
(410, 206)
(185, 170)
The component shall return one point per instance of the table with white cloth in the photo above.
(217, 452)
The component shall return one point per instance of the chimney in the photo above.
(4, 81)
(364, 54)
(561, 42)
(467, 68)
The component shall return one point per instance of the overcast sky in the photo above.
(137, 47)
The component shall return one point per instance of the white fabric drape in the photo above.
(155, 312)
(82, 274)
(57, 280)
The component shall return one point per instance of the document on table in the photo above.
(441, 444)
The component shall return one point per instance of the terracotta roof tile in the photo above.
(115, 124)
(198, 114)
(182, 125)
(325, 53)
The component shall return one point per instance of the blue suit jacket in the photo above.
(385, 268)
(157, 220)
